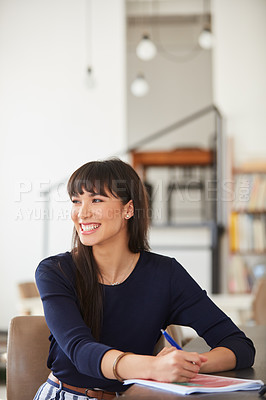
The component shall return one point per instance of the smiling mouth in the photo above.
(89, 227)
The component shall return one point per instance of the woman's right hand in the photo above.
(172, 365)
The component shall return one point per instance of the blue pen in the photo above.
(171, 340)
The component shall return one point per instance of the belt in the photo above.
(98, 394)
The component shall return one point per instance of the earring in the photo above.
(127, 216)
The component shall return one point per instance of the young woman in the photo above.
(106, 301)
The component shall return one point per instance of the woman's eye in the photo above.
(75, 201)
(96, 200)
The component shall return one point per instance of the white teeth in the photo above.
(88, 228)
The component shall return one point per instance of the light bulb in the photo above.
(146, 49)
(206, 39)
(139, 87)
(90, 78)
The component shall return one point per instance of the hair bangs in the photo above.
(93, 177)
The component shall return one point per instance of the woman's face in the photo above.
(100, 220)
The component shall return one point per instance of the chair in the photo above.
(28, 290)
(27, 353)
(259, 303)
(176, 332)
(29, 299)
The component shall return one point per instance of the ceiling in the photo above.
(167, 7)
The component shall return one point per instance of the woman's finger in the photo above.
(195, 358)
(165, 350)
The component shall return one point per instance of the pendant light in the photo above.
(139, 87)
(206, 39)
(90, 75)
(90, 79)
(146, 49)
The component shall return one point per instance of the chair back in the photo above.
(29, 299)
(28, 290)
(173, 330)
(259, 303)
(27, 353)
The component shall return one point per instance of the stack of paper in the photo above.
(202, 383)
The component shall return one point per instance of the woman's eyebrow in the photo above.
(93, 194)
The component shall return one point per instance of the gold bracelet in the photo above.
(117, 376)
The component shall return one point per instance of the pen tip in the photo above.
(162, 330)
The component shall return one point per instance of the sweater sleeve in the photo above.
(192, 307)
(64, 319)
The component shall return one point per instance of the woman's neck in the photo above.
(115, 264)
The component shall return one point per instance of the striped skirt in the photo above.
(52, 391)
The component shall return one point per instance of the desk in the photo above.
(257, 334)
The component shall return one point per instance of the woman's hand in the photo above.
(172, 365)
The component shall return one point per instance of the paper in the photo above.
(202, 383)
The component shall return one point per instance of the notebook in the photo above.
(202, 383)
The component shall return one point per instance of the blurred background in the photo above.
(73, 89)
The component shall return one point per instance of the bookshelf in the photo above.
(247, 226)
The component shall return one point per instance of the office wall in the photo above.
(239, 79)
(51, 122)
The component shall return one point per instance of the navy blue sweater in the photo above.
(158, 292)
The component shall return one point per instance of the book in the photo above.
(202, 383)
(234, 234)
(239, 275)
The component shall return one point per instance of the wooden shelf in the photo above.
(249, 252)
(179, 157)
(253, 167)
(247, 211)
(244, 171)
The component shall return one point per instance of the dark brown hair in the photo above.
(121, 180)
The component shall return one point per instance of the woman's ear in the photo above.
(129, 209)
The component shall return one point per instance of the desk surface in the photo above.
(257, 334)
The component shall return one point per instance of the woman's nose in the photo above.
(84, 211)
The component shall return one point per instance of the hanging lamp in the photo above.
(146, 49)
(206, 39)
(139, 87)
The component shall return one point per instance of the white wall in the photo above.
(51, 122)
(239, 78)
